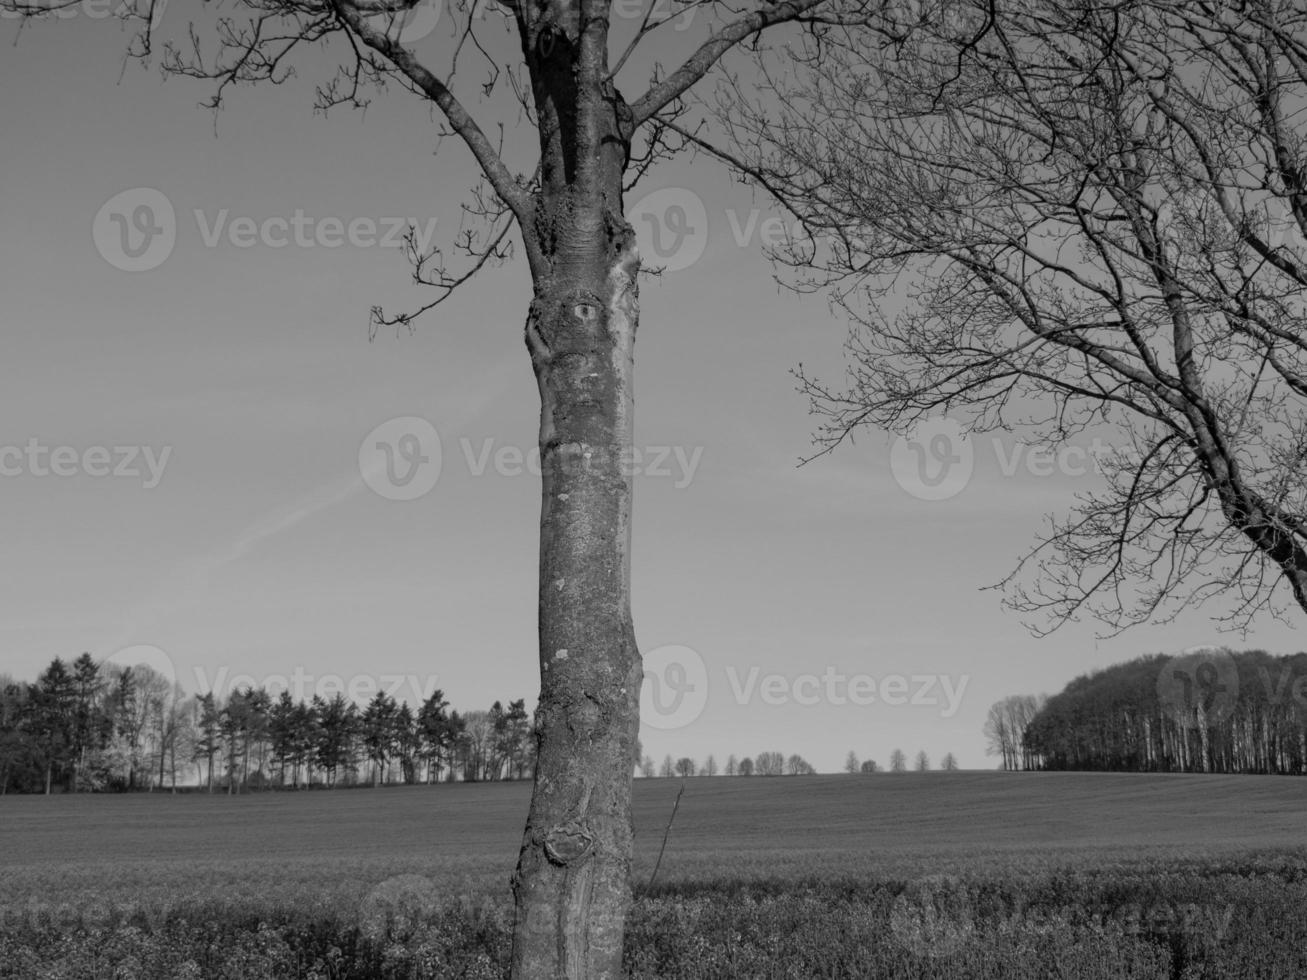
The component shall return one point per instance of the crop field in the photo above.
(913, 875)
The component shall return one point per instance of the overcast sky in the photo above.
(252, 529)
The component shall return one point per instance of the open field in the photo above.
(883, 824)
(82, 862)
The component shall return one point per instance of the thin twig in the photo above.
(666, 832)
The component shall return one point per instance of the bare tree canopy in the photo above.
(1056, 218)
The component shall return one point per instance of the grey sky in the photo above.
(262, 551)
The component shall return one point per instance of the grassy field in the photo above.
(101, 861)
(882, 824)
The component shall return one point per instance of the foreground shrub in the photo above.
(1170, 921)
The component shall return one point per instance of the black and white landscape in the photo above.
(593, 489)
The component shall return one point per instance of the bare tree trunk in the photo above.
(572, 881)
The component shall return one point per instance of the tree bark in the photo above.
(572, 885)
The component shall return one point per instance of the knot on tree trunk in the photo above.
(568, 843)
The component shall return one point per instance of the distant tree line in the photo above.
(898, 762)
(1230, 713)
(779, 764)
(765, 764)
(88, 726)
(1006, 726)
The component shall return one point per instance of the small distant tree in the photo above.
(647, 768)
(869, 766)
(407, 744)
(685, 767)
(516, 739)
(922, 763)
(89, 725)
(233, 723)
(208, 741)
(181, 735)
(281, 733)
(769, 764)
(898, 762)
(1005, 728)
(666, 770)
(53, 698)
(851, 762)
(440, 728)
(378, 732)
(337, 733)
(709, 767)
(949, 763)
(732, 766)
(746, 766)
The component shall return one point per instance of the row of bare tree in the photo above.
(89, 726)
(898, 762)
(766, 764)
